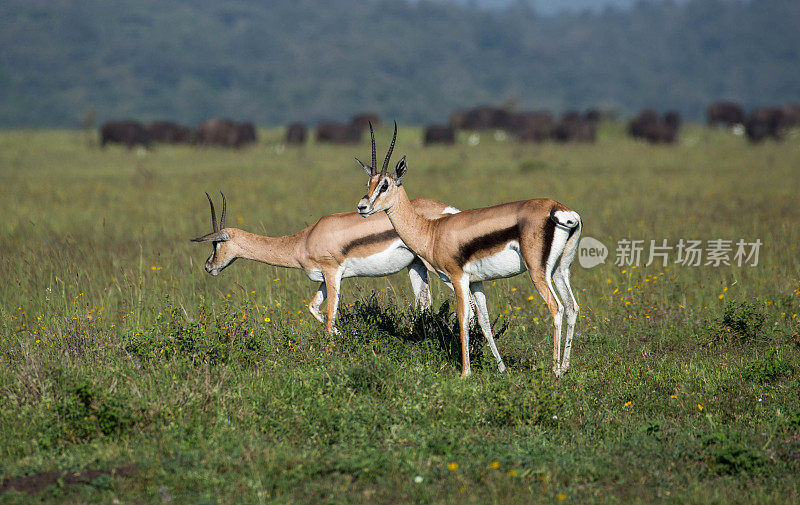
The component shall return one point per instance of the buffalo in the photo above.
(439, 134)
(126, 132)
(593, 115)
(766, 122)
(573, 127)
(725, 113)
(484, 117)
(168, 132)
(296, 133)
(791, 115)
(654, 129)
(225, 132)
(534, 126)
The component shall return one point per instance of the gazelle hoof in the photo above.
(501, 367)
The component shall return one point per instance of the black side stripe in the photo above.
(371, 239)
(488, 241)
(548, 233)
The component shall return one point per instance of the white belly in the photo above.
(315, 275)
(391, 260)
(506, 263)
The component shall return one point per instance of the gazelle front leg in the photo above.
(333, 280)
(316, 301)
(463, 301)
(483, 320)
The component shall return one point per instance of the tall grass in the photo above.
(116, 347)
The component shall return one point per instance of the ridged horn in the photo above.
(222, 218)
(391, 148)
(213, 214)
(374, 155)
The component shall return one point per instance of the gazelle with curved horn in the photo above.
(540, 236)
(335, 247)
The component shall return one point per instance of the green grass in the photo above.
(117, 348)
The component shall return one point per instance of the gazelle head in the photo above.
(382, 186)
(223, 252)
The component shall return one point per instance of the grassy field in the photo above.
(123, 361)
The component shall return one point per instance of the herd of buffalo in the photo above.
(531, 126)
(219, 132)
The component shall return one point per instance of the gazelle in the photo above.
(540, 236)
(336, 246)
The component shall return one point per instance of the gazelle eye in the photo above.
(385, 186)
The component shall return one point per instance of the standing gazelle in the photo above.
(336, 246)
(540, 236)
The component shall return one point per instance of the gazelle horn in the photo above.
(213, 214)
(374, 156)
(391, 147)
(222, 218)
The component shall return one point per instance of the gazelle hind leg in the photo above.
(483, 320)
(557, 248)
(316, 302)
(419, 283)
(542, 284)
(561, 281)
(542, 279)
(562, 276)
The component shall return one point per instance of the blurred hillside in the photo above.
(272, 62)
(548, 7)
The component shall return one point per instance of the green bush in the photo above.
(209, 338)
(436, 329)
(85, 412)
(742, 319)
(725, 454)
(766, 369)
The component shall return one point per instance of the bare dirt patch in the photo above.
(40, 481)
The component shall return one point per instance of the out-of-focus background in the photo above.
(274, 62)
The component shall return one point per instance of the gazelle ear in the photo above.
(367, 169)
(217, 236)
(400, 171)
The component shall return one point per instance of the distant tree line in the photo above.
(311, 60)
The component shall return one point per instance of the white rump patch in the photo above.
(567, 218)
(450, 210)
